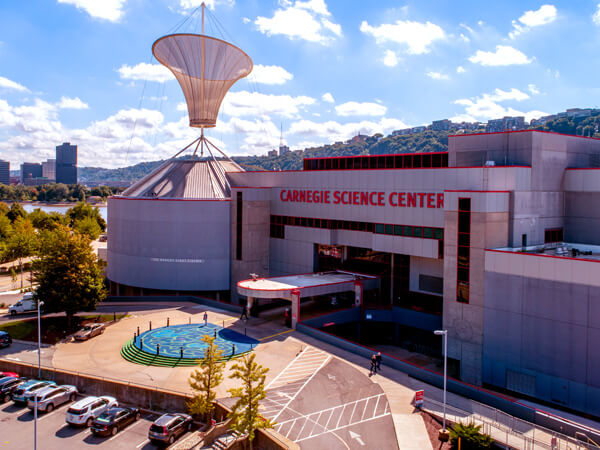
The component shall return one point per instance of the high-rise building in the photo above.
(49, 169)
(4, 172)
(66, 163)
(30, 171)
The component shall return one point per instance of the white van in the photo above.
(26, 304)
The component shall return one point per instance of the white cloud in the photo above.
(487, 106)
(269, 74)
(533, 89)
(390, 59)
(503, 56)
(187, 5)
(244, 103)
(122, 124)
(464, 38)
(596, 16)
(417, 37)
(460, 69)
(332, 131)
(145, 71)
(72, 103)
(545, 15)
(110, 10)
(437, 76)
(327, 97)
(360, 109)
(246, 20)
(308, 20)
(10, 84)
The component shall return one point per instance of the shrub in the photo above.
(470, 435)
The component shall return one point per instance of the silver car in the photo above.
(52, 396)
(89, 331)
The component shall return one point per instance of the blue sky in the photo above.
(82, 71)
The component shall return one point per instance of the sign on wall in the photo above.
(364, 198)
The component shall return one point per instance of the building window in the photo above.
(553, 235)
(464, 244)
(238, 227)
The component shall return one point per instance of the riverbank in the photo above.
(51, 204)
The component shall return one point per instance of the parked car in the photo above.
(50, 397)
(83, 412)
(5, 339)
(26, 304)
(26, 390)
(9, 374)
(114, 420)
(89, 331)
(169, 427)
(7, 386)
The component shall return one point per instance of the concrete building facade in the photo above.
(495, 240)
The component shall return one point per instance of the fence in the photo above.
(507, 429)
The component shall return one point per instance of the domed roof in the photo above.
(186, 179)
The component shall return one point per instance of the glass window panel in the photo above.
(379, 228)
(428, 232)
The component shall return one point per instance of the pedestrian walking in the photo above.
(287, 317)
(373, 364)
(233, 350)
(205, 318)
(378, 359)
(157, 349)
(244, 315)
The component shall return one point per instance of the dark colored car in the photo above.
(7, 386)
(114, 420)
(168, 427)
(5, 339)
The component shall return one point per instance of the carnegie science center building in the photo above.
(496, 240)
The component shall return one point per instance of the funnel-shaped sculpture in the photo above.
(206, 68)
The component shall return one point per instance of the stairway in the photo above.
(225, 440)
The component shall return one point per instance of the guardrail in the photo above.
(507, 429)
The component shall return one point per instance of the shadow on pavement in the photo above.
(68, 431)
(11, 408)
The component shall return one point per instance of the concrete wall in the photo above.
(424, 266)
(174, 245)
(541, 332)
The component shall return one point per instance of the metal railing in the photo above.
(509, 430)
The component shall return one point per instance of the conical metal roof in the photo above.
(187, 179)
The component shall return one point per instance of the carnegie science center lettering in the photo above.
(364, 198)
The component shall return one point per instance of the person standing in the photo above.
(244, 315)
(373, 364)
(205, 318)
(378, 360)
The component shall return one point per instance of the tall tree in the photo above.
(82, 210)
(68, 273)
(244, 414)
(21, 243)
(205, 380)
(88, 226)
(16, 212)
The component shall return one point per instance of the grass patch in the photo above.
(54, 329)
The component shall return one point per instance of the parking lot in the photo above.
(16, 431)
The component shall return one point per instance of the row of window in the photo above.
(278, 224)
(464, 243)
(399, 161)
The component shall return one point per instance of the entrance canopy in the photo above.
(308, 284)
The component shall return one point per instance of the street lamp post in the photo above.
(443, 431)
(35, 409)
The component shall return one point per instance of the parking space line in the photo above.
(147, 441)
(130, 427)
(50, 413)
(276, 334)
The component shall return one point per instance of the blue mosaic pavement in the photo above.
(172, 338)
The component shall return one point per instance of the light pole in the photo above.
(35, 409)
(445, 334)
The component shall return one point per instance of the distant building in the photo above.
(415, 130)
(283, 149)
(66, 163)
(4, 172)
(505, 124)
(358, 138)
(441, 125)
(401, 132)
(272, 153)
(49, 169)
(15, 180)
(30, 171)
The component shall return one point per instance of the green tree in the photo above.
(16, 211)
(5, 227)
(21, 243)
(471, 437)
(244, 414)
(68, 273)
(82, 210)
(88, 226)
(4, 208)
(205, 380)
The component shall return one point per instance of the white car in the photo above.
(51, 397)
(86, 410)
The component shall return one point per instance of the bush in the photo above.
(470, 436)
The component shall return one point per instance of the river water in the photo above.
(61, 209)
